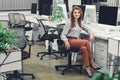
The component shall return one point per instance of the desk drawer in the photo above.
(100, 45)
(101, 61)
(100, 52)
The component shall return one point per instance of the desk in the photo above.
(114, 54)
(102, 33)
(33, 19)
(47, 23)
(13, 62)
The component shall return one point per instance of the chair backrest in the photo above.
(20, 19)
(42, 29)
(17, 19)
(11, 19)
(20, 40)
(60, 29)
(5, 24)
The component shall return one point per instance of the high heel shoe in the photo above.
(86, 73)
(95, 65)
(97, 68)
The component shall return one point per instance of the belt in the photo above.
(72, 37)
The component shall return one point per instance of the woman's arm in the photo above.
(89, 31)
(65, 31)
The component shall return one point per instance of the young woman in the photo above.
(71, 34)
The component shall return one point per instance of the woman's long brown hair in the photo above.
(80, 18)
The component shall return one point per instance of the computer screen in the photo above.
(82, 7)
(90, 12)
(108, 15)
(34, 8)
(46, 9)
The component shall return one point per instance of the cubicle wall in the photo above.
(16, 4)
(113, 2)
(73, 2)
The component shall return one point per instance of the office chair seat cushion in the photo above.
(25, 55)
(49, 37)
(28, 28)
(74, 49)
(62, 48)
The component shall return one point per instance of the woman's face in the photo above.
(76, 14)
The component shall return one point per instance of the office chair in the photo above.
(19, 20)
(47, 33)
(62, 49)
(69, 65)
(21, 43)
(5, 24)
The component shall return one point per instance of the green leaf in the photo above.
(0, 26)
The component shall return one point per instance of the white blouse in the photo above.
(72, 31)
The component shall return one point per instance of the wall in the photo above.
(16, 4)
(113, 2)
(73, 2)
(56, 1)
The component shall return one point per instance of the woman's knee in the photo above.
(87, 41)
(83, 48)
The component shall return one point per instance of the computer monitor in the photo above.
(46, 9)
(108, 15)
(82, 7)
(34, 8)
(90, 12)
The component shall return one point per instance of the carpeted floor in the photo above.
(45, 69)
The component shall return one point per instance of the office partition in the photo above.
(16, 4)
(90, 14)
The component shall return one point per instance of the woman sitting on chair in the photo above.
(71, 34)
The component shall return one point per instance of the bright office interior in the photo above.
(101, 16)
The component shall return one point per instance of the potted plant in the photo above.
(106, 76)
(6, 39)
(57, 13)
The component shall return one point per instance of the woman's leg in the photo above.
(83, 45)
(85, 56)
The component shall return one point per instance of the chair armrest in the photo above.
(51, 29)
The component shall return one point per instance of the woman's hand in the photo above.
(67, 45)
(92, 37)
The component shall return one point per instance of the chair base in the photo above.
(48, 53)
(19, 76)
(69, 67)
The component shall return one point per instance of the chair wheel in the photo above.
(40, 58)
(62, 73)
(56, 68)
(56, 58)
(37, 55)
(80, 71)
(33, 77)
